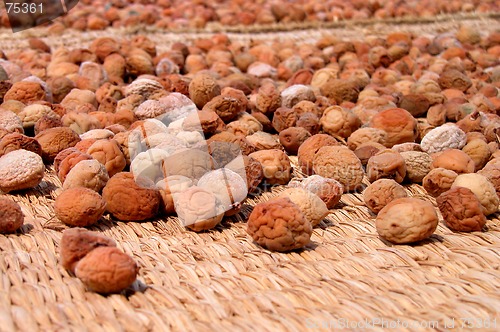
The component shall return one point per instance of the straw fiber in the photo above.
(220, 280)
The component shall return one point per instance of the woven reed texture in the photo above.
(220, 280)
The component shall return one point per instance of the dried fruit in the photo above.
(455, 160)
(399, 124)
(141, 197)
(11, 216)
(107, 270)
(381, 192)
(308, 150)
(276, 165)
(341, 164)
(279, 225)
(482, 188)
(461, 210)
(78, 242)
(198, 209)
(79, 207)
(54, 140)
(447, 136)
(386, 164)
(312, 207)
(20, 169)
(406, 220)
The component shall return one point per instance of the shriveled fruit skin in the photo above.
(107, 270)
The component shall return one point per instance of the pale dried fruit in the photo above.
(329, 190)
(279, 225)
(11, 216)
(447, 136)
(381, 192)
(341, 164)
(386, 164)
(20, 169)
(418, 165)
(264, 141)
(312, 207)
(296, 93)
(339, 122)
(406, 220)
(107, 270)
(482, 188)
(276, 165)
(365, 135)
(89, 174)
(80, 207)
(438, 180)
(130, 199)
(78, 242)
(461, 210)
(198, 209)
(478, 151)
(229, 187)
(492, 172)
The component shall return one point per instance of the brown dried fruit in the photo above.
(340, 90)
(78, 242)
(406, 220)
(292, 138)
(227, 108)
(11, 216)
(438, 180)
(279, 225)
(251, 167)
(381, 192)
(107, 270)
(108, 153)
(264, 141)
(386, 164)
(80, 207)
(284, 118)
(310, 147)
(364, 135)
(341, 164)
(478, 151)
(54, 140)
(203, 88)
(15, 141)
(141, 197)
(455, 160)
(69, 161)
(399, 125)
(367, 150)
(482, 188)
(25, 92)
(461, 210)
(276, 165)
(453, 79)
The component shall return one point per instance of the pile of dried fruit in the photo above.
(178, 14)
(192, 131)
